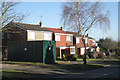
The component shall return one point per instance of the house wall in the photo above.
(63, 41)
(90, 42)
(80, 44)
(22, 36)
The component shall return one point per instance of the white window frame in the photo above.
(73, 51)
(57, 37)
(47, 36)
(86, 40)
(93, 42)
(31, 35)
(68, 38)
(77, 40)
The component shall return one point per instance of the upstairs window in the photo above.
(77, 40)
(57, 37)
(31, 35)
(68, 38)
(47, 36)
(86, 41)
(93, 42)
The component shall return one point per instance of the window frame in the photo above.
(29, 32)
(86, 40)
(72, 50)
(56, 38)
(48, 34)
(68, 38)
(77, 39)
(93, 42)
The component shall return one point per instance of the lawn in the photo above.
(15, 74)
(27, 63)
(80, 59)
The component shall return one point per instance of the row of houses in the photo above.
(66, 42)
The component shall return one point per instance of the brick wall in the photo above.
(63, 41)
(90, 42)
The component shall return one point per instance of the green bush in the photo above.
(101, 55)
(72, 57)
(58, 58)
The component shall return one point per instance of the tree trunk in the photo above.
(84, 57)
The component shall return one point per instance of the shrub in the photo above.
(101, 55)
(58, 58)
(72, 57)
(75, 55)
(87, 56)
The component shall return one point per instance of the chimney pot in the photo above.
(61, 28)
(87, 34)
(41, 25)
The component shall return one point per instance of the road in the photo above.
(111, 72)
(108, 72)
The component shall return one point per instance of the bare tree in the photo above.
(81, 16)
(8, 13)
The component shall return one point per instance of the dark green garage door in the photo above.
(34, 51)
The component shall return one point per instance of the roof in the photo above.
(75, 34)
(56, 30)
(78, 35)
(30, 27)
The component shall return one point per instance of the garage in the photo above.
(32, 51)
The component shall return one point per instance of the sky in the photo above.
(51, 17)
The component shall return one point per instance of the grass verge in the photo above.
(80, 59)
(15, 74)
(28, 63)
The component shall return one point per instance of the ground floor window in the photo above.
(72, 50)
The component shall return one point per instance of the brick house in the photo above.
(64, 42)
(27, 32)
(90, 42)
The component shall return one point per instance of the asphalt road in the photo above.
(107, 72)
(110, 72)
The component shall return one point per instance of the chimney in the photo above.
(87, 34)
(41, 25)
(61, 28)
